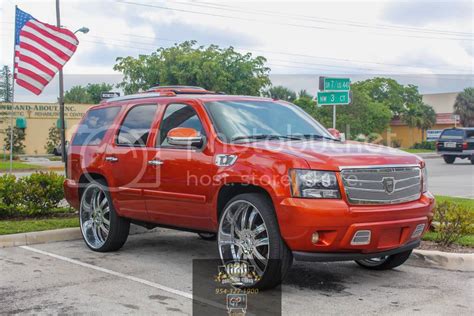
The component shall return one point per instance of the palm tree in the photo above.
(464, 107)
(411, 116)
(281, 93)
(427, 119)
(304, 94)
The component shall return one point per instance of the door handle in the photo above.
(155, 162)
(111, 159)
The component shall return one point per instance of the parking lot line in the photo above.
(111, 272)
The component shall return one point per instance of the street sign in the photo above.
(334, 84)
(334, 98)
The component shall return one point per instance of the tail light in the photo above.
(464, 145)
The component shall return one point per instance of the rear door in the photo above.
(126, 160)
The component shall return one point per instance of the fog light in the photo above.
(361, 237)
(418, 231)
(315, 238)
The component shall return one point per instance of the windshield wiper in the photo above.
(264, 136)
(313, 136)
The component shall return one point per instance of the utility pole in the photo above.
(61, 99)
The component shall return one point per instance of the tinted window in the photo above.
(470, 134)
(453, 134)
(234, 119)
(92, 129)
(136, 125)
(178, 115)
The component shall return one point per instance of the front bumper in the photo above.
(391, 226)
(337, 256)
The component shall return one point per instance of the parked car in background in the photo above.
(57, 150)
(456, 143)
(261, 175)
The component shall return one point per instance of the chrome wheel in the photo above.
(243, 236)
(373, 262)
(94, 216)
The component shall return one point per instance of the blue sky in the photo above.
(413, 40)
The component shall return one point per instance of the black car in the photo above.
(456, 143)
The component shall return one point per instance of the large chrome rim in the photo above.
(373, 262)
(243, 236)
(95, 216)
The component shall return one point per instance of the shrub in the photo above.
(396, 143)
(37, 194)
(10, 195)
(454, 222)
(424, 145)
(374, 138)
(42, 191)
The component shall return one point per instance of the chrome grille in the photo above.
(382, 185)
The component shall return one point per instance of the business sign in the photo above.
(109, 95)
(334, 84)
(334, 98)
(433, 135)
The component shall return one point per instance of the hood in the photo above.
(328, 155)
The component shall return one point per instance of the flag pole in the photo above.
(61, 100)
(13, 97)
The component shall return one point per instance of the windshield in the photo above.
(252, 120)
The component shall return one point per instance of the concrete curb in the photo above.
(443, 260)
(48, 236)
(428, 155)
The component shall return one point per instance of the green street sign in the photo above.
(333, 98)
(334, 84)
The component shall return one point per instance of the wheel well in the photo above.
(88, 178)
(228, 191)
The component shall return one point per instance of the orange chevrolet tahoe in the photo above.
(261, 176)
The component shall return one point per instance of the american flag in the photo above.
(41, 50)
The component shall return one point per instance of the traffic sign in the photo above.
(334, 98)
(334, 84)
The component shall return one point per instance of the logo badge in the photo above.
(389, 184)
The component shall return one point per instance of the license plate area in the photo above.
(450, 144)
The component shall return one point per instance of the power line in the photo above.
(278, 23)
(324, 20)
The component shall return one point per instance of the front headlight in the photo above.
(424, 178)
(314, 184)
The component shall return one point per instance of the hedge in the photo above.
(32, 196)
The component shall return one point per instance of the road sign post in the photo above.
(334, 91)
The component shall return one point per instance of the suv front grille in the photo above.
(382, 185)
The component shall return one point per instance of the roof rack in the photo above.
(180, 89)
(147, 95)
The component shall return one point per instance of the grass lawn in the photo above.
(417, 151)
(17, 165)
(33, 225)
(467, 203)
(467, 241)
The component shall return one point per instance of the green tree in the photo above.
(363, 116)
(388, 91)
(304, 93)
(280, 93)
(90, 94)
(54, 138)
(6, 85)
(464, 107)
(18, 139)
(212, 67)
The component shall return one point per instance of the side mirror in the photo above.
(183, 136)
(334, 132)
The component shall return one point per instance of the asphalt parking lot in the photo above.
(152, 274)
(453, 180)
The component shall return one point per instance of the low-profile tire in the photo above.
(449, 159)
(385, 263)
(249, 231)
(102, 229)
(208, 236)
